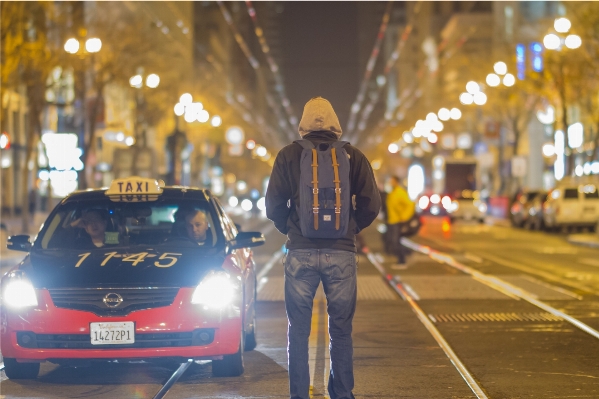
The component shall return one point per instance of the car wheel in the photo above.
(20, 371)
(250, 336)
(230, 365)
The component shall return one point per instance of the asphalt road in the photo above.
(507, 345)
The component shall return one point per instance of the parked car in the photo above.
(467, 206)
(572, 206)
(519, 210)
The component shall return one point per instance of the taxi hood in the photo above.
(125, 268)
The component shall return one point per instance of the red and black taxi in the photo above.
(135, 271)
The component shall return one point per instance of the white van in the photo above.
(572, 205)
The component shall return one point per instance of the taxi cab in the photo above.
(137, 271)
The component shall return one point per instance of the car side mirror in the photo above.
(19, 243)
(248, 239)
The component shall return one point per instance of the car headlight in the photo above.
(216, 290)
(18, 292)
(482, 207)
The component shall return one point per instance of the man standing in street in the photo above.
(313, 208)
(400, 210)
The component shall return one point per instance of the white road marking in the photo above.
(495, 282)
(473, 257)
(589, 262)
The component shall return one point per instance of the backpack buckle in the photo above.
(338, 190)
(315, 210)
(337, 210)
(314, 191)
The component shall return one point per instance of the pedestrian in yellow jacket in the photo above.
(400, 210)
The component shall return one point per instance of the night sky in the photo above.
(320, 54)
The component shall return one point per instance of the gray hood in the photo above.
(319, 116)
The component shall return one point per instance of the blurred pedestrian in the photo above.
(400, 210)
(313, 211)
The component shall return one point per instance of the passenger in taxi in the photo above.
(196, 224)
(94, 223)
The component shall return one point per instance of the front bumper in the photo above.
(181, 330)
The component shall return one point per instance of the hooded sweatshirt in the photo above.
(319, 124)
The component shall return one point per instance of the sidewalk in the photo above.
(9, 258)
(589, 239)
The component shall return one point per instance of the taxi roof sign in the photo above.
(134, 189)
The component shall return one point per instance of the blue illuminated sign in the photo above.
(521, 60)
(537, 56)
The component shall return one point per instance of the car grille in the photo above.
(124, 300)
(199, 337)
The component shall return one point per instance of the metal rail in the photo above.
(455, 360)
(499, 285)
(173, 378)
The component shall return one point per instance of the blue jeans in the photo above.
(304, 269)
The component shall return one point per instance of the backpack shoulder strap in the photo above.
(306, 144)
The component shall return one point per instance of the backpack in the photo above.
(325, 200)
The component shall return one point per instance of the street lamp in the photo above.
(92, 45)
(552, 41)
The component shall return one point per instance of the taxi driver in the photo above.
(94, 223)
(196, 224)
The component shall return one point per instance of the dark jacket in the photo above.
(283, 190)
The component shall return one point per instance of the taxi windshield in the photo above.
(101, 223)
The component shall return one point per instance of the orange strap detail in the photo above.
(337, 189)
(315, 205)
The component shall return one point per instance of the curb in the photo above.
(584, 241)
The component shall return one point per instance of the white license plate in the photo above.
(112, 333)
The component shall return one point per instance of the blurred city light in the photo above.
(189, 116)
(152, 81)
(376, 164)
(455, 114)
(464, 141)
(179, 109)
(233, 201)
(129, 141)
(393, 148)
(186, 99)
(433, 138)
(235, 135)
(407, 137)
(472, 87)
(578, 170)
(438, 162)
(548, 150)
(437, 126)
(423, 202)
(261, 151)
(216, 121)
(136, 81)
(562, 25)
(573, 41)
(480, 98)
(93, 45)
(500, 68)
(444, 114)
(575, 135)
(250, 145)
(247, 205)
(120, 136)
(241, 186)
(4, 141)
(431, 116)
(551, 41)
(203, 116)
(415, 181)
(560, 147)
(261, 204)
(72, 46)
(435, 198)
(493, 80)
(466, 98)
(546, 117)
(509, 80)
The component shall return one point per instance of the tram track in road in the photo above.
(441, 328)
(499, 284)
